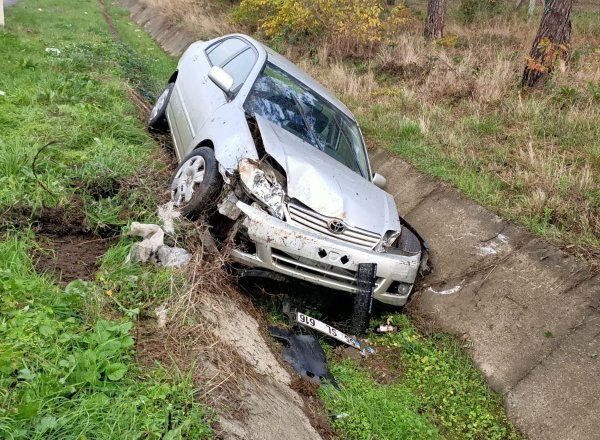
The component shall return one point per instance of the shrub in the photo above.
(350, 27)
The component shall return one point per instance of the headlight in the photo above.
(262, 182)
(388, 241)
(390, 237)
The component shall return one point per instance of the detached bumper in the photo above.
(300, 253)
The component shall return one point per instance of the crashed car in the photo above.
(284, 162)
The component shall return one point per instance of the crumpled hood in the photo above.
(325, 185)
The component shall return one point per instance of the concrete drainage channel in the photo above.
(528, 311)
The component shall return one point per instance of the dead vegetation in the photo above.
(186, 336)
(211, 330)
(454, 108)
(205, 19)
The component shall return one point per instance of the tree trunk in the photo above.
(530, 8)
(518, 4)
(436, 17)
(551, 44)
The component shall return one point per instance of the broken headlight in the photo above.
(388, 241)
(265, 184)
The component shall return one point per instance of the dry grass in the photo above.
(533, 157)
(203, 18)
(189, 341)
(455, 110)
(343, 80)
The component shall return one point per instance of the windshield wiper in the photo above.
(306, 124)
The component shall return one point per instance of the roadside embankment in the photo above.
(526, 310)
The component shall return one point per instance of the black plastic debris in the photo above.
(363, 298)
(305, 355)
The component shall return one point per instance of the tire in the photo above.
(196, 183)
(157, 121)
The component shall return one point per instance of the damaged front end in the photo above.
(293, 212)
(267, 239)
(265, 184)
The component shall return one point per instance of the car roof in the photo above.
(289, 67)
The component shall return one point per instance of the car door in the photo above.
(199, 96)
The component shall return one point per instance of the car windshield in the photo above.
(285, 101)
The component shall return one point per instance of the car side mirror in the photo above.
(222, 79)
(379, 180)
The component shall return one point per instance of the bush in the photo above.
(350, 27)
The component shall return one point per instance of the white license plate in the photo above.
(327, 329)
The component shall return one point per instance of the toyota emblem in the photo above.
(336, 226)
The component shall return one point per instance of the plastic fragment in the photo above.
(340, 416)
(161, 314)
(387, 328)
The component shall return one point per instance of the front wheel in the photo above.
(196, 183)
(157, 121)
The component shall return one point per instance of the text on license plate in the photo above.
(327, 329)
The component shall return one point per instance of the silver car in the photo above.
(282, 164)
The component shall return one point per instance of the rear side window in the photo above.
(235, 56)
(226, 49)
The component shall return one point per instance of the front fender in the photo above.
(229, 132)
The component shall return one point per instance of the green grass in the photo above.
(64, 377)
(434, 391)
(67, 368)
(77, 98)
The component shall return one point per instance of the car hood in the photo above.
(327, 186)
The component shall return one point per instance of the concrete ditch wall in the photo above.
(529, 312)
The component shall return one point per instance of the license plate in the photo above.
(327, 329)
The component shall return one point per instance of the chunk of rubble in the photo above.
(152, 248)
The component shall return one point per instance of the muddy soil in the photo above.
(66, 250)
(70, 257)
(314, 408)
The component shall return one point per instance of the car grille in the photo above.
(310, 219)
(330, 276)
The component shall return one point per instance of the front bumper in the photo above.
(301, 253)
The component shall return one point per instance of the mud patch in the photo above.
(100, 187)
(59, 221)
(70, 257)
(62, 221)
(304, 387)
(67, 251)
(384, 366)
